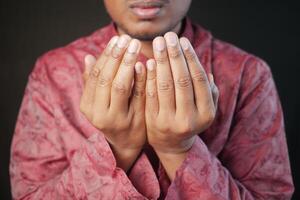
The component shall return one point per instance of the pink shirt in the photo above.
(57, 154)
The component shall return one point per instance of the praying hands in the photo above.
(167, 103)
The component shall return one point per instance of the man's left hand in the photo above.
(180, 103)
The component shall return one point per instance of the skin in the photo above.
(171, 99)
(169, 19)
(107, 101)
(180, 101)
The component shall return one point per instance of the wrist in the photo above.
(172, 158)
(171, 162)
(125, 158)
(171, 148)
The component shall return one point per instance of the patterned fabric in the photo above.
(57, 154)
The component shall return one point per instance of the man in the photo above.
(147, 121)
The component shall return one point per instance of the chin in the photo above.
(144, 35)
(146, 32)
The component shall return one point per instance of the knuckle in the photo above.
(140, 79)
(83, 109)
(190, 56)
(98, 123)
(117, 53)
(208, 118)
(183, 82)
(138, 91)
(103, 81)
(175, 52)
(151, 93)
(163, 123)
(123, 125)
(151, 77)
(199, 76)
(94, 73)
(161, 59)
(186, 129)
(166, 85)
(128, 60)
(119, 87)
(107, 51)
(164, 128)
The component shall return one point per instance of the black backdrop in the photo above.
(269, 29)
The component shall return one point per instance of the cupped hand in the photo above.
(113, 99)
(181, 102)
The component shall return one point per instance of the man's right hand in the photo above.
(113, 99)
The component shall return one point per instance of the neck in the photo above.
(146, 48)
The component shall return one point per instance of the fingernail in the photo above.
(89, 61)
(122, 42)
(171, 39)
(150, 65)
(138, 67)
(113, 40)
(159, 44)
(133, 46)
(184, 43)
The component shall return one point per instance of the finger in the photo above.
(164, 79)
(214, 90)
(122, 83)
(89, 62)
(109, 69)
(202, 92)
(91, 76)
(182, 81)
(87, 98)
(106, 52)
(138, 96)
(151, 91)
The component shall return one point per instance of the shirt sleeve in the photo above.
(39, 166)
(254, 162)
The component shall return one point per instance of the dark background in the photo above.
(29, 28)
